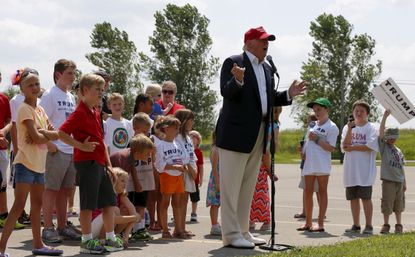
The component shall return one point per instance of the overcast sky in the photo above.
(37, 33)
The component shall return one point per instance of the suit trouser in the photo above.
(238, 176)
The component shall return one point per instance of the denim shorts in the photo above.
(27, 176)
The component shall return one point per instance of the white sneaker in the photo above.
(241, 243)
(256, 240)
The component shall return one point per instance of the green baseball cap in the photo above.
(320, 101)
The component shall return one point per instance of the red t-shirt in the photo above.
(5, 114)
(83, 123)
(173, 110)
(199, 162)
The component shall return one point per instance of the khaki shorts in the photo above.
(60, 171)
(393, 197)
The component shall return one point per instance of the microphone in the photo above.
(274, 69)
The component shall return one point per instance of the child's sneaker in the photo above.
(398, 229)
(114, 245)
(68, 233)
(73, 227)
(92, 246)
(368, 230)
(141, 235)
(3, 218)
(353, 229)
(193, 217)
(72, 212)
(385, 229)
(24, 218)
(216, 230)
(50, 235)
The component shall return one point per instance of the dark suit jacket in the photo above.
(241, 115)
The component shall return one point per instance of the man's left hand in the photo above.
(297, 88)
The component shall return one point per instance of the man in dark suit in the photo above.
(247, 87)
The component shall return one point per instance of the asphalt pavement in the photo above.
(288, 202)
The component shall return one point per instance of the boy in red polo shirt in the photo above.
(92, 164)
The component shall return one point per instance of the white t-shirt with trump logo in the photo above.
(169, 153)
(318, 160)
(360, 166)
(58, 105)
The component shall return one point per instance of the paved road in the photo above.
(288, 202)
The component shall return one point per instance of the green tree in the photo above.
(339, 68)
(181, 44)
(117, 55)
(11, 91)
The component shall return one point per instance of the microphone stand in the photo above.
(272, 246)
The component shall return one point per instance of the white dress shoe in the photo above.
(256, 240)
(241, 243)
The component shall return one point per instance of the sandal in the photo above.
(299, 216)
(155, 227)
(304, 228)
(46, 250)
(316, 229)
(181, 235)
(385, 229)
(166, 235)
(189, 233)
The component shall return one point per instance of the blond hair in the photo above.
(88, 80)
(115, 96)
(166, 121)
(140, 143)
(141, 119)
(195, 133)
(120, 173)
(153, 90)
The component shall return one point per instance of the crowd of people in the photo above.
(70, 137)
(130, 168)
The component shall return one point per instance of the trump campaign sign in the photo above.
(391, 97)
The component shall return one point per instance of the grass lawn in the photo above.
(290, 139)
(383, 245)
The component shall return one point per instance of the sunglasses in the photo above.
(168, 92)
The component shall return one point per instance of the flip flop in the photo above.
(304, 228)
(48, 251)
(316, 230)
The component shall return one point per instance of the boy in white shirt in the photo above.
(118, 130)
(360, 143)
(59, 103)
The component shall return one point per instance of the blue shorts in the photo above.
(27, 176)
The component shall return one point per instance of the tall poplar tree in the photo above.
(180, 45)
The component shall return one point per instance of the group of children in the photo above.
(360, 142)
(121, 168)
